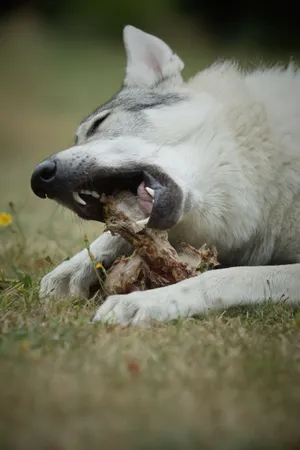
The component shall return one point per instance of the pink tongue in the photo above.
(145, 200)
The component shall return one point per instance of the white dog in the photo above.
(215, 160)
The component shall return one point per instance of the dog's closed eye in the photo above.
(95, 125)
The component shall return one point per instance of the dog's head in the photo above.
(135, 141)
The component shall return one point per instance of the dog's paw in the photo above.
(139, 308)
(77, 276)
(184, 299)
(72, 277)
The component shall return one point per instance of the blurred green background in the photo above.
(61, 59)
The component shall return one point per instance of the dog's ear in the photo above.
(149, 59)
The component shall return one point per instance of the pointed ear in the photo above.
(149, 59)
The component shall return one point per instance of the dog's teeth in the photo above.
(150, 191)
(92, 193)
(143, 221)
(78, 199)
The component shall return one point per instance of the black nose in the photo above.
(43, 177)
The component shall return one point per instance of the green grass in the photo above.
(223, 381)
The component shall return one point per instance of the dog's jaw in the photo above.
(81, 187)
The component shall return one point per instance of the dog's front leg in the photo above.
(218, 289)
(77, 275)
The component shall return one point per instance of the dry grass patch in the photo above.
(223, 381)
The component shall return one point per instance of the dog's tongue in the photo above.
(144, 199)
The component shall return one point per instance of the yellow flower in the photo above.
(25, 345)
(5, 219)
(100, 266)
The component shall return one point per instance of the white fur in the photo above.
(148, 58)
(234, 147)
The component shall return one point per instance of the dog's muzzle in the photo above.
(82, 188)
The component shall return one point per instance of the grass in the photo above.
(223, 381)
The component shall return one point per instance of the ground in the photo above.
(224, 381)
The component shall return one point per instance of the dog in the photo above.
(212, 160)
